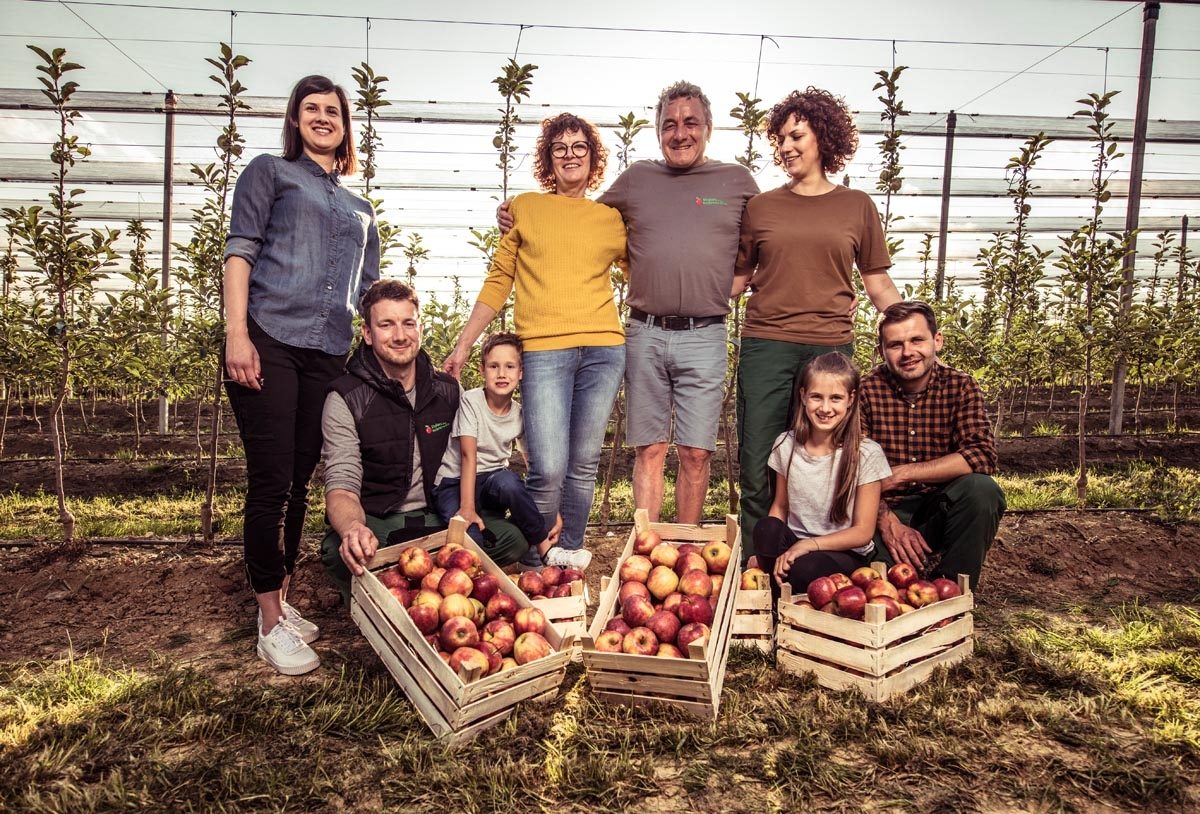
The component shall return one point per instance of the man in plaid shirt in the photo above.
(940, 507)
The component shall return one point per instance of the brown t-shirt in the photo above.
(805, 249)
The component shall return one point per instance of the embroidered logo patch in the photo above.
(430, 429)
(711, 201)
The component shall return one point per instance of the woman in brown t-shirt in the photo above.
(799, 246)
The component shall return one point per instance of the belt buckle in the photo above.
(676, 323)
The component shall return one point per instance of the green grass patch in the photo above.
(1173, 492)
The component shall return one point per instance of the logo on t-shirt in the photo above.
(706, 201)
(430, 429)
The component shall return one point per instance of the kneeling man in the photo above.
(940, 507)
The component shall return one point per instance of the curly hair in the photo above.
(543, 162)
(830, 120)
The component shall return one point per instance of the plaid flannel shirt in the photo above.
(948, 417)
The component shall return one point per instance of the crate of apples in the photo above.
(882, 630)
(562, 595)
(455, 632)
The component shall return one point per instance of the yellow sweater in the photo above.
(558, 255)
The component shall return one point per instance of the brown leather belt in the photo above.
(673, 323)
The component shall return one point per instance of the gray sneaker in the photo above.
(579, 558)
(283, 649)
(307, 630)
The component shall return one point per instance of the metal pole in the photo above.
(1116, 407)
(1183, 230)
(943, 225)
(164, 406)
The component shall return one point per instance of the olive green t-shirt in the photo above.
(804, 250)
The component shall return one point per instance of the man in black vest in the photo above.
(386, 425)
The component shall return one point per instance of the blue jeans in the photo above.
(567, 397)
(500, 491)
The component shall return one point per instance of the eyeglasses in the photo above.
(579, 149)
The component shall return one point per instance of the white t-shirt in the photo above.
(495, 435)
(810, 484)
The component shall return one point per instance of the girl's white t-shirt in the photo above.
(810, 484)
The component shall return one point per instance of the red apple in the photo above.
(531, 646)
(444, 656)
(902, 575)
(610, 641)
(717, 581)
(669, 651)
(664, 625)
(662, 582)
(821, 591)
(466, 560)
(632, 589)
(755, 579)
(508, 664)
(442, 557)
(618, 624)
(458, 631)
(828, 607)
(694, 632)
(664, 554)
(571, 575)
(946, 588)
(688, 548)
(645, 541)
(863, 576)
(484, 587)
(849, 602)
(495, 658)
(881, 587)
(696, 583)
(425, 618)
(456, 605)
(921, 593)
(455, 581)
(640, 641)
(501, 606)
(841, 581)
(891, 608)
(480, 614)
(905, 608)
(501, 633)
(427, 597)
(414, 562)
(690, 562)
(468, 658)
(637, 611)
(636, 568)
(716, 554)
(531, 583)
(695, 609)
(551, 575)
(432, 579)
(393, 578)
(530, 620)
(434, 641)
(672, 602)
(402, 595)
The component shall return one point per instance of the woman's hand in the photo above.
(241, 361)
(455, 361)
(783, 565)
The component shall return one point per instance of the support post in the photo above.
(1183, 267)
(164, 406)
(1133, 204)
(944, 223)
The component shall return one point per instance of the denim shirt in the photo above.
(312, 246)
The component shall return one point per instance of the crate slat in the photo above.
(700, 709)
(753, 624)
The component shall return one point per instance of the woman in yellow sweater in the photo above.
(558, 257)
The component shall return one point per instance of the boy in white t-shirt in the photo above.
(474, 471)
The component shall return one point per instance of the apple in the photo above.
(841, 581)
(434, 641)
(645, 541)
(442, 558)
(393, 578)
(458, 631)
(531, 583)
(610, 641)
(432, 579)
(891, 608)
(495, 658)
(466, 658)
(671, 603)
(414, 562)
(508, 664)
(501, 633)
(662, 582)
(828, 607)
(425, 618)
(881, 587)
(752, 578)
(427, 597)
(531, 646)
(690, 562)
(696, 583)
(802, 599)
(484, 587)
(902, 575)
(849, 602)
(444, 656)
(632, 589)
(455, 581)
(905, 608)
(402, 595)
(946, 588)
(637, 611)
(480, 614)
(668, 651)
(618, 624)
(456, 605)
(717, 555)
(664, 554)
(465, 560)
(664, 625)
(863, 576)
(694, 632)
(640, 641)
(552, 575)
(688, 548)
(571, 575)
(921, 593)
(501, 606)
(530, 620)
(636, 568)
(717, 581)
(695, 609)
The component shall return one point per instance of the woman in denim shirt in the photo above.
(301, 251)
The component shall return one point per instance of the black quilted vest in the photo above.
(387, 426)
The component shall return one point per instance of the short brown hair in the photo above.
(345, 159)
(681, 90)
(543, 162)
(830, 120)
(905, 309)
(386, 290)
(498, 339)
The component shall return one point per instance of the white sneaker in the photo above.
(579, 558)
(307, 630)
(284, 650)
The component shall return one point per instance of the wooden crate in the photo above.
(569, 614)
(455, 707)
(754, 616)
(694, 683)
(882, 659)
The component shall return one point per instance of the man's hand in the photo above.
(455, 362)
(903, 543)
(504, 218)
(358, 547)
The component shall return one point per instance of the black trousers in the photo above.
(772, 538)
(280, 427)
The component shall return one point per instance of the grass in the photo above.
(1173, 492)
(1054, 713)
